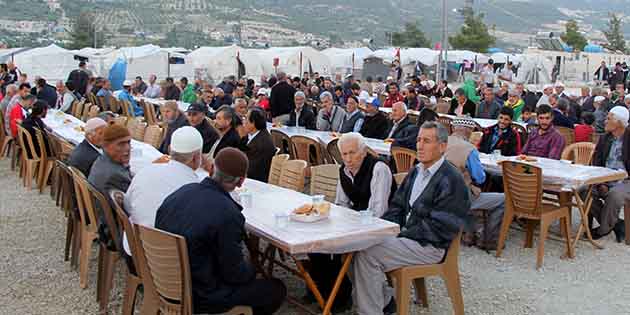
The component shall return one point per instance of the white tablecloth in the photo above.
(379, 146)
(183, 106)
(342, 232)
(483, 123)
(563, 174)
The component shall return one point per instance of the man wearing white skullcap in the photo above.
(547, 91)
(612, 151)
(156, 181)
(84, 155)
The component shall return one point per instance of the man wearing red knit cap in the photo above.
(212, 224)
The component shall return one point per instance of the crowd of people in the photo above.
(431, 204)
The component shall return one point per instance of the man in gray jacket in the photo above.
(111, 169)
(331, 116)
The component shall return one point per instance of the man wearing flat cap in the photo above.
(196, 114)
(212, 224)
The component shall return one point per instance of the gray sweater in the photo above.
(332, 122)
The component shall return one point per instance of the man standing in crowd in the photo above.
(502, 136)
(544, 99)
(602, 74)
(175, 120)
(282, 101)
(489, 106)
(196, 114)
(403, 133)
(487, 74)
(258, 145)
(375, 124)
(353, 121)
(302, 115)
(80, 78)
(84, 155)
(431, 206)
(153, 89)
(12, 90)
(330, 116)
(221, 275)
(544, 141)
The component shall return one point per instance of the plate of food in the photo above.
(526, 158)
(389, 141)
(308, 213)
(79, 129)
(162, 159)
(67, 121)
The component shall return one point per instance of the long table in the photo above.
(482, 122)
(183, 106)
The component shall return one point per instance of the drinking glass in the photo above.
(367, 216)
(281, 220)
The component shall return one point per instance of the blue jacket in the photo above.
(214, 229)
(124, 96)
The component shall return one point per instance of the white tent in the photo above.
(219, 62)
(458, 56)
(408, 56)
(146, 60)
(289, 60)
(502, 57)
(345, 60)
(6, 55)
(535, 69)
(52, 62)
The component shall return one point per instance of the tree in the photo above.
(82, 34)
(412, 36)
(573, 37)
(614, 35)
(473, 35)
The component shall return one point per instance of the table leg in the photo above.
(342, 273)
(310, 284)
(564, 199)
(584, 206)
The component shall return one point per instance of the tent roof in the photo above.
(5, 54)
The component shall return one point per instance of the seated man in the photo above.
(125, 95)
(84, 155)
(226, 123)
(489, 107)
(611, 152)
(18, 112)
(155, 182)
(111, 169)
(463, 155)
(431, 206)
(35, 121)
(544, 141)
(175, 119)
(106, 93)
(403, 133)
(212, 224)
(353, 120)
(258, 145)
(560, 117)
(197, 118)
(330, 116)
(303, 115)
(502, 136)
(375, 123)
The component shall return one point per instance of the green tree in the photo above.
(573, 37)
(614, 34)
(473, 35)
(411, 36)
(82, 34)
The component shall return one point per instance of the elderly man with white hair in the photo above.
(331, 116)
(12, 90)
(303, 114)
(403, 132)
(84, 155)
(612, 151)
(547, 91)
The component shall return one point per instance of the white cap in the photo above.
(559, 84)
(627, 97)
(598, 99)
(127, 83)
(262, 91)
(389, 77)
(547, 86)
(621, 114)
(364, 95)
(94, 123)
(186, 140)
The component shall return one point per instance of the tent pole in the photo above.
(168, 63)
(445, 38)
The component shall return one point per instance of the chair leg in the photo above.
(402, 295)
(544, 229)
(109, 266)
(564, 221)
(76, 241)
(529, 235)
(453, 286)
(129, 300)
(421, 292)
(46, 169)
(505, 227)
(69, 234)
(626, 220)
(86, 244)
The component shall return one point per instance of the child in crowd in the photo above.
(527, 116)
(584, 132)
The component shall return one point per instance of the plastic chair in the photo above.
(153, 135)
(399, 178)
(568, 134)
(46, 163)
(521, 131)
(137, 129)
(276, 168)
(121, 120)
(333, 151)
(448, 270)
(127, 108)
(165, 257)
(77, 109)
(292, 175)
(579, 153)
(69, 205)
(522, 184)
(283, 141)
(403, 158)
(5, 139)
(324, 180)
(309, 150)
(28, 164)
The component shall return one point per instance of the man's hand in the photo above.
(208, 166)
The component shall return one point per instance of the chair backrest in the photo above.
(443, 107)
(403, 158)
(324, 180)
(91, 98)
(276, 168)
(127, 108)
(568, 134)
(333, 151)
(121, 120)
(66, 184)
(166, 257)
(153, 135)
(452, 253)
(118, 198)
(26, 141)
(3, 132)
(309, 150)
(87, 107)
(413, 118)
(92, 112)
(114, 104)
(446, 122)
(399, 178)
(522, 132)
(579, 153)
(100, 101)
(522, 184)
(283, 141)
(292, 175)
(107, 213)
(137, 129)
(77, 108)
(85, 203)
(43, 152)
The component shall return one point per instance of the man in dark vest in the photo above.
(365, 184)
(353, 121)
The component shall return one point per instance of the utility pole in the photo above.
(444, 39)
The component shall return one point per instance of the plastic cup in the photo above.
(247, 199)
(281, 220)
(367, 216)
(318, 199)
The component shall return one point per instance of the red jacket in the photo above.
(17, 114)
(393, 99)
(583, 133)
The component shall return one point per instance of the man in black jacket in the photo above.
(501, 136)
(212, 224)
(84, 155)
(171, 91)
(375, 124)
(403, 133)
(431, 206)
(80, 78)
(196, 114)
(226, 123)
(303, 115)
(258, 145)
(45, 92)
(175, 119)
(282, 102)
